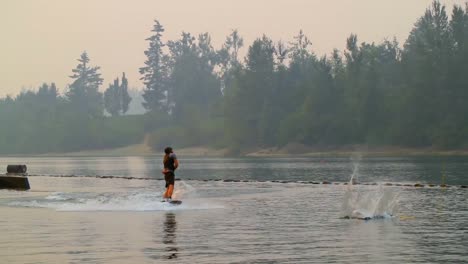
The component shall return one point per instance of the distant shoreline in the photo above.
(290, 150)
(346, 151)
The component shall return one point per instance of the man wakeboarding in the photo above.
(170, 165)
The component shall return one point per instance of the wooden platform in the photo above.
(14, 181)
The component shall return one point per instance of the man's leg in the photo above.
(168, 179)
(169, 191)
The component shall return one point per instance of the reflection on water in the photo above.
(169, 237)
(163, 239)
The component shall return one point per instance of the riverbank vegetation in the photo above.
(412, 94)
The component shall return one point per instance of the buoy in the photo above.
(17, 169)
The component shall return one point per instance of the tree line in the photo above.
(377, 94)
(46, 121)
(384, 93)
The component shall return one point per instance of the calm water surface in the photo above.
(93, 220)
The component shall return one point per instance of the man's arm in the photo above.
(176, 161)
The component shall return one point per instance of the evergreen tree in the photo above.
(116, 97)
(249, 106)
(302, 61)
(281, 52)
(229, 53)
(112, 103)
(291, 97)
(125, 98)
(426, 58)
(228, 59)
(192, 84)
(155, 73)
(83, 93)
(455, 126)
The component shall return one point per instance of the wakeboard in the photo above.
(174, 202)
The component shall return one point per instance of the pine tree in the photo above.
(426, 58)
(228, 59)
(83, 93)
(111, 98)
(124, 96)
(155, 72)
(248, 104)
(193, 83)
(116, 97)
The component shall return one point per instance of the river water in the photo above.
(246, 210)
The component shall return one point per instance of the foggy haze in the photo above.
(42, 39)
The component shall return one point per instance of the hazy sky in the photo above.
(41, 39)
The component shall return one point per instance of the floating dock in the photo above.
(16, 178)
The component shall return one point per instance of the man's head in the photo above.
(168, 150)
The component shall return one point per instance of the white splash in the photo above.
(146, 200)
(370, 202)
(356, 159)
